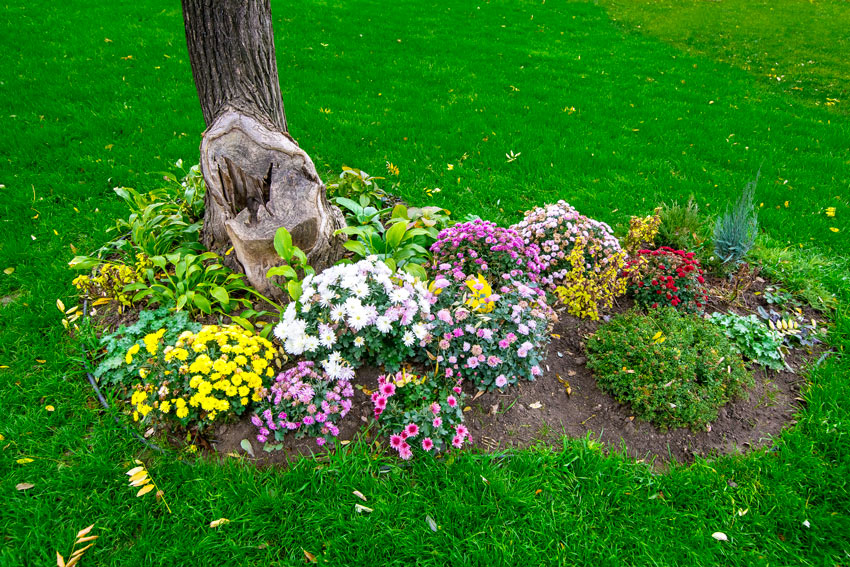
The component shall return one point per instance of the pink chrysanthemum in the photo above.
(452, 401)
(457, 441)
(396, 441)
(427, 444)
(412, 430)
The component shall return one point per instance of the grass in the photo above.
(99, 95)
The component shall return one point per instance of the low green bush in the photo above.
(674, 370)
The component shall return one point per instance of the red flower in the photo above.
(701, 279)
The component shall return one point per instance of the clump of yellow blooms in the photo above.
(642, 231)
(203, 376)
(402, 379)
(587, 288)
(108, 281)
(479, 299)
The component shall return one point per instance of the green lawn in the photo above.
(96, 95)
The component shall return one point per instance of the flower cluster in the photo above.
(420, 412)
(584, 291)
(356, 313)
(554, 231)
(305, 402)
(666, 277)
(492, 341)
(642, 231)
(215, 372)
(483, 247)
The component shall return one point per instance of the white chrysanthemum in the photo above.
(359, 341)
(357, 318)
(408, 339)
(327, 337)
(352, 304)
(383, 324)
(311, 343)
(399, 295)
(420, 330)
(307, 292)
(290, 312)
(294, 345)
(360, 290)
(337, 313)
(326, 297)
(350, 280)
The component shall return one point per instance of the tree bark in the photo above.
(257, 177)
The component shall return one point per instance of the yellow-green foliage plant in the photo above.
(107, 281)
(587, 288)
(203, 377)
(642, 232)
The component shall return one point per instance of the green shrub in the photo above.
(674, 370)
(753, 338)
(681, 226)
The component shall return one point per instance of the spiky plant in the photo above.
(735, 231)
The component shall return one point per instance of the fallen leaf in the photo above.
(144, 490)
(84, 532)
(246, 446)
(24, 461)
(219, 522)
(50, 408)
(535, 405)
(60, 305)
(538, 491)
(309, 556)
(9, 271)
(24, 486)
(134, 470)
(359, 508)
(60, 561)
(359, 495)
(431, 523)
(806, 524)
(40, 360)
(720, 536)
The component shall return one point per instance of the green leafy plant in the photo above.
(735, 231)
(674, 370)
(196, 282)
(296, 261)
(753, 338)
(359, 186)
(681, 227)
(399, 246)
(112, 368)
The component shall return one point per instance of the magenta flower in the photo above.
(412, 430)
(396, 441)
(427, 444)
(387, 389)
(457, 441)
(452, 401)
(438, 421)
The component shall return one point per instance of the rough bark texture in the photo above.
(257, 177)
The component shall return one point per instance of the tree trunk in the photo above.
(257, 177)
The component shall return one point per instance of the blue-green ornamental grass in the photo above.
(608, 116)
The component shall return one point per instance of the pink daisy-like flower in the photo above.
(456, 390)
(388, 389)
(381, 402)
(320, 441)
(501, 381)
(412, 430)
(451, 401)
(457, 441)
(405, 454)
(435, 408)
(461, 430)
(437, 422)
(396, 441)
(427, 444)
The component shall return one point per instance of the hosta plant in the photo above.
(666, 277)
(421, 413)
(482, 247)
(674, 369)
(490, 332)
(555, 230)
(304, 401)
(202, 377)
(361, 312)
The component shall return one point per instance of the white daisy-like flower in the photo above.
(399, 295)
(360, 290)
(290, 312)
(352, 304)
(294, 345)
(408, 339)
(327, 337)
(337, 313)
(311, 343)
(383, 324)
(307, 291)
(420, 330)
(357, 319)
(359, 341)
(326, 298)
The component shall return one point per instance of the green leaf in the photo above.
(399, 212)
(221, 294)
(390, 263)
(416, 271)
(395, 234)
(181, 302)
(285, 271)
(202, 303)
(242, 322)
(294, 289)
(83, 263)
(283, 243)
(356, 246)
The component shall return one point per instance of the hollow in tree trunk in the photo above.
(257, 177)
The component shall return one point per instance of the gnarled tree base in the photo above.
(259, 180)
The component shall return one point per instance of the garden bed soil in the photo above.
(542, 412)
